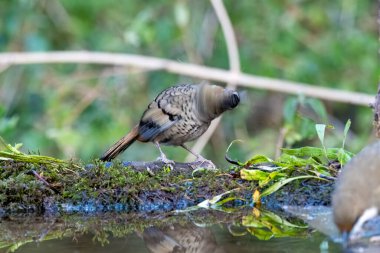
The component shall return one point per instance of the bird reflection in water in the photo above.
(181, 238)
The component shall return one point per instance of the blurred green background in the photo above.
(78, 110)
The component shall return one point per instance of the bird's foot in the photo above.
(165, 160)
(203, 162)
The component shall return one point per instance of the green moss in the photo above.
(32, 182)
(77, 183)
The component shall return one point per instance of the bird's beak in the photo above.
(345, 239)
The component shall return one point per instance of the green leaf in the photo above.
(273, 188)
(346, 128)
(321, 132)
(251, 175)
(261, 234)
(272, 176)
(258, 159)
(290, 161)
(251, 221)
(9, 147)
(267, 225)
(304, 151)
(279, 220)
(290, 109)
(228, 157)
(318, 107)
(226, 200)
(306, 128)
(344, 156)
(3, 144)
(213, 203)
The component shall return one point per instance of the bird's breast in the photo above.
(183, 131)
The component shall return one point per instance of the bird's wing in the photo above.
(166, 110)
(156, 120)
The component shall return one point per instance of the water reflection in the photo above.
(199, 231)
(181, 238)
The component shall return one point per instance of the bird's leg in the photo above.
(162, 156)
(200, 159)
(198, 156)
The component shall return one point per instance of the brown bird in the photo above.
(357, 190)
(177, 115)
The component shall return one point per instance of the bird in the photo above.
(178, 114)
(356, 196)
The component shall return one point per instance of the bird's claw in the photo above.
(202, 162)
(166, 161)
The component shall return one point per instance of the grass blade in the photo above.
(273, 188)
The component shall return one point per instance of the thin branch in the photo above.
(376, 104)
(229, 35)
(234, 61)
(196, 71)
(376, 113)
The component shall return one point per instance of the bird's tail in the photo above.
(121, 145)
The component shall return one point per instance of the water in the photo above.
(247, 230)
(217, 239)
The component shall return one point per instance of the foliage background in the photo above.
(77, 111)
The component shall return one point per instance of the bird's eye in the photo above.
(235, 99)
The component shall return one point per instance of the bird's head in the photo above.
(213, 100)
(230, 100)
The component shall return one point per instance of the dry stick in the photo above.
(193, 70)
(229, 35)
(234, 61)
(376, 113)
(280, 142)
(376, 104)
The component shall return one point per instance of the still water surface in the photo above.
(220, 240)
(205, 231)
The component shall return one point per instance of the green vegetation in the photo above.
(27, 181)
(265, 225)
(293, 164)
